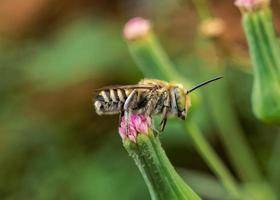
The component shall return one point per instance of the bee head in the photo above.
(182, 102)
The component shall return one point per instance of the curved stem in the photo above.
(274, 165)
(213, 161)
(160, 176)
(232, 135)
(229, 128)
(202, 9)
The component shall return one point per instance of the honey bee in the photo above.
(148, 97)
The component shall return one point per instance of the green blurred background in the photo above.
(53, 54)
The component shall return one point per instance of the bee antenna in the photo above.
(202, 84)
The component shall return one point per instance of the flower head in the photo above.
(264, 51)
(137, 124)
(250, 5)
(136, 28)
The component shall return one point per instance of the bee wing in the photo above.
(138, 86)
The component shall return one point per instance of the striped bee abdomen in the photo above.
(110, 101)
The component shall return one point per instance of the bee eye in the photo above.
(180, 98)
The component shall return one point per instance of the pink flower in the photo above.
(136, 28)
(137, 124)
(250, 4)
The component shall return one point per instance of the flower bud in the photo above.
(264, 51)
(251, 5)
(144, 147)
(147, 51)
(136, 28)
(137, 124)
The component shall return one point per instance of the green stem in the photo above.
(153, 61)
(202, 9)
(213, 161)
(232, 135)
(161, 178)
(265, 16)
(229, 128)
(224, 117)
(264, 51)
(274, 165)
(205, 184)
(181, 185)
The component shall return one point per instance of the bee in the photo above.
(148, 97)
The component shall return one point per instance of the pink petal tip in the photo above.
(250, 4)
(138, 124)
(136, 28)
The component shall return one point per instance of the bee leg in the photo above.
(120, 118)
(157, 132)
(153, 127)
(149, 109)
(126, 108)
(151, 104)
(165, 112)
(126, 117)
(162, 124)
(129, 100)
(163, 118)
